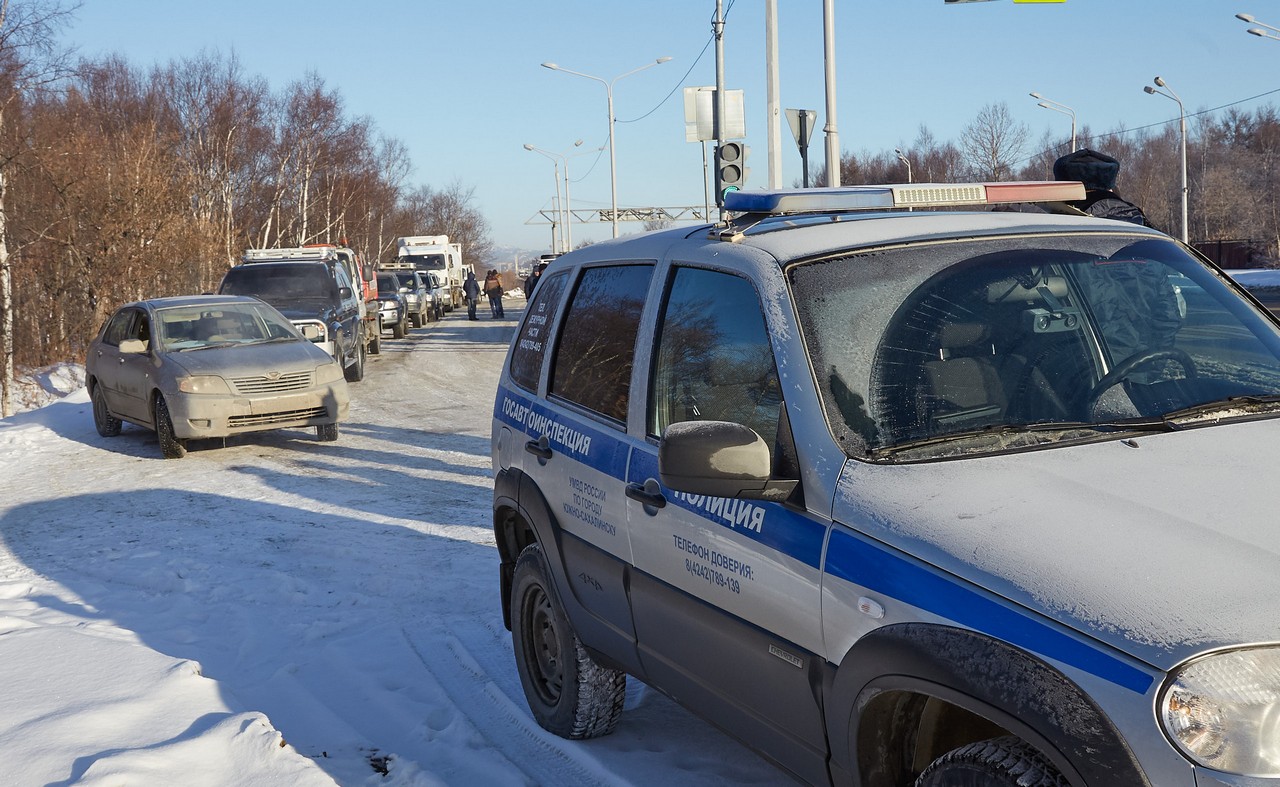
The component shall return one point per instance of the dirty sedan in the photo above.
(210, 366)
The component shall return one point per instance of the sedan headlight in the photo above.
(203, 384)
(328, 373)
(1223, 711)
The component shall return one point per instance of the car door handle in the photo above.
(648, 493)
(539, 448)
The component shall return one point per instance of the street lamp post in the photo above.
(1182, 128)
(566, 233)
(613, 159)
(1259, 31)
(1063, 108)
(904, 160)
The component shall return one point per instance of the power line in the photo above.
(682, 79)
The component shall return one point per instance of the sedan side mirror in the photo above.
(715, 458)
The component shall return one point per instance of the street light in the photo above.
(613, 159)
(1063, 108)
(1182, 126)
(566, 234)
(904, 160)
(1258, 31)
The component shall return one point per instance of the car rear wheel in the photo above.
(327, 433)
(170, 446)
(568, 692)
(999, 762)
(106, 423)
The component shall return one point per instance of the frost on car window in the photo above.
(926, 344)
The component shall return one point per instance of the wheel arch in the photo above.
(906, 694)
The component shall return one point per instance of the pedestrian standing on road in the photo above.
(493, 289)
(471, 290)
(532, 280)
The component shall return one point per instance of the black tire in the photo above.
(170, 446)
(568, 692)
(417, 319)
(327, 433)
(999, 762)
(355, 372)
(107, 424)
(375, 344)
(398, 330)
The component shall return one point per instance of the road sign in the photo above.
(799, 129)
(699, 114)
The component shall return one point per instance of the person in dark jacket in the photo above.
(1098, 171)
(532, 280)
(471, 291)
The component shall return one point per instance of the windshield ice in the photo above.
(967, 337)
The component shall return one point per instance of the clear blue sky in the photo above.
(460, 83)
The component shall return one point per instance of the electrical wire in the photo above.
(710, 39)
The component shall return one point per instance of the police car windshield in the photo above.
(975, 338)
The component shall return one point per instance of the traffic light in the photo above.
(731, 168)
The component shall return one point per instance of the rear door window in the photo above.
(531, 345)
(596, 351)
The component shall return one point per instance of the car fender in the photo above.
(981, 675)
(515, 491)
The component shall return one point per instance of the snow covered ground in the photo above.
(281, 611)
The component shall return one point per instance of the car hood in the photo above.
(251, 359)
(1162, 546)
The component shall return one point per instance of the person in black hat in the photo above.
(1098, 171)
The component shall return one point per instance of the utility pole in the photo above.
(774, 131)
(717, 29)
(829, 53)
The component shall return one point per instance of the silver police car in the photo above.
(933, 497)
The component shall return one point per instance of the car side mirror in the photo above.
(345, 292)
(715, 458)
(133, 347)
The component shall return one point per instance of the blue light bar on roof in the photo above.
(903, 195)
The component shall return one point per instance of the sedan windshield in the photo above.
(225, 324)
(956, 347)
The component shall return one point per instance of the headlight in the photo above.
(1223, 711)
(328, 373)
(203, 384)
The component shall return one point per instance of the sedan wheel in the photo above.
(327, 433)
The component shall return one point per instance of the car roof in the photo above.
(793, 237)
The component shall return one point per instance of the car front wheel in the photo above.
(106, 423)
(327, 433)
(170, 446)
(569, 693)
(355, 372)
(999, 762)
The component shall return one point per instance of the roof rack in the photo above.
(319, 253)
(753, 206)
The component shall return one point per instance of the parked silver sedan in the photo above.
(210, 366)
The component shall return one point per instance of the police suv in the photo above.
(933, 497)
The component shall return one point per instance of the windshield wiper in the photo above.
(1230, 407)
(215, 345)
(999, 430)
